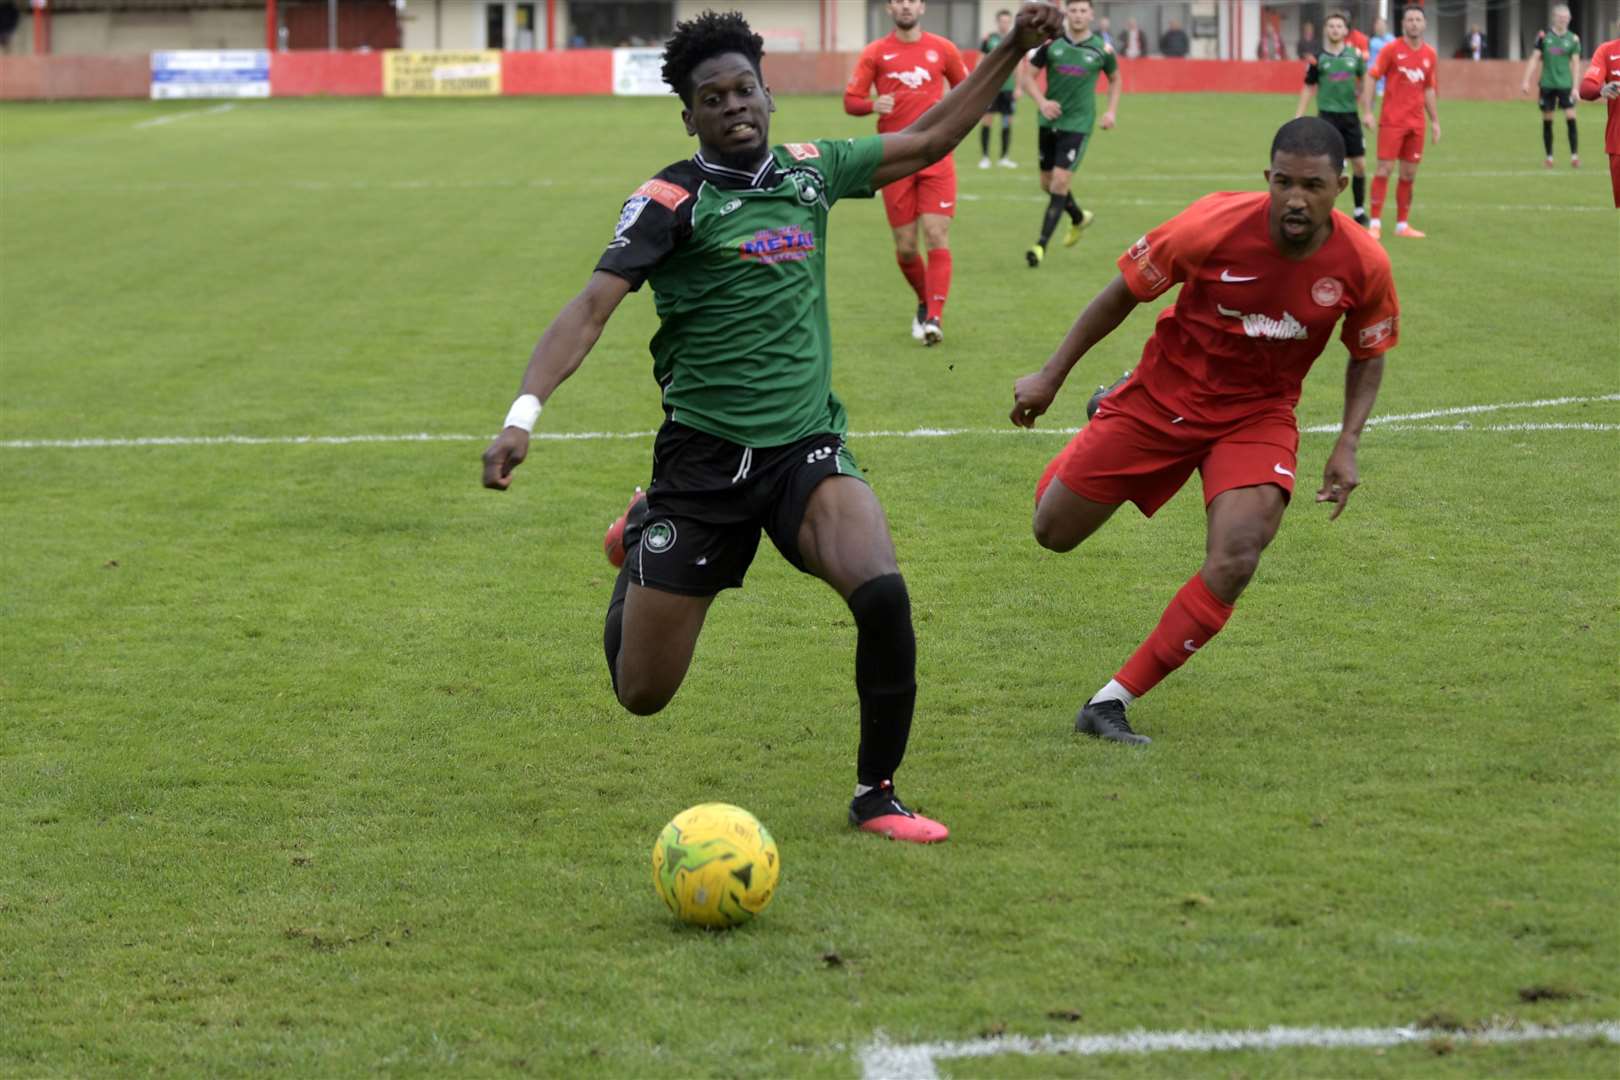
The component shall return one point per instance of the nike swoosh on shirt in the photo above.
(944, 205)
(890, 55)
(1280, 471)
(1227, 275)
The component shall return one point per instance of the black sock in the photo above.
(1358, 190)
(1073, 208)
(885, 675)
(1054, 211)
(984, 139)
(1006, 138)
(1546, 136)
(1574, 140)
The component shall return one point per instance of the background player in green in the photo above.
(1557, 54)
(1006, 98)
(1334, 72)
(1067, 111)
(733, 241)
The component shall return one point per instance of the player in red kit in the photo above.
(910, 69)
(1265, 277)
(1411, 73)
(1602, 80)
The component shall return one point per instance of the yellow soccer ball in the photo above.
(715, 866)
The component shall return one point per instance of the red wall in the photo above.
(590, 71)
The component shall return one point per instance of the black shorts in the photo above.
(1061, 149)
(1556, 99)
(709, 499)
(1349, 125)
(1003, 104)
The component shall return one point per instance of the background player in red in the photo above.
(909, 69)
(1410, 70)
(1602, 80)
(1265, 278)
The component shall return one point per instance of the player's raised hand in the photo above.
(506, 453)
(1036, 23)
(884, 105)
(1032, 396)
(1339, 478)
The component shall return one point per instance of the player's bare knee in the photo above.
(1230, 569)
(643, 699)
(1054, 535)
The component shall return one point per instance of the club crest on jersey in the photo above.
(1327, 291)
(802, 151)
(770, 246)
(913, 79)
(1376, 334)
(658, 537)
(809, 191)
(933, 57)
(1267, 328)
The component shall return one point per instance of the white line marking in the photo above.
(883, 1060)
(172, 117)
(1514, 208)
(1393, 422)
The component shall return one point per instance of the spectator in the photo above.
(1306, 45)
(1475, 45)
(1354, 37)
(1133, 41)
(1102, 31)
(1173, 42)
(9, 16)
(1271, 42)
(1381, 37)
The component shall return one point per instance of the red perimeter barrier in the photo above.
(570, 71)
(338, 74)
(45, 78)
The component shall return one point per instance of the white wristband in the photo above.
(524, 412)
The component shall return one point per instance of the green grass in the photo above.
(308, 760)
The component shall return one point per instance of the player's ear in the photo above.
(1344, 182)
(686, 118)
(770, 99)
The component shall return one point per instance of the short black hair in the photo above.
(709, 35)
(1310, 136)
(1415, 7)
(1002, 12)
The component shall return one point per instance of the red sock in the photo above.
(1380, 189)
(916, 272)
(939, 280)
(1194, 616)
(1403, 199)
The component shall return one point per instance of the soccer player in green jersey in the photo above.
(1334, 73)
(733, 241)
(1067, 113)
(1005, 100)
(1557, 56)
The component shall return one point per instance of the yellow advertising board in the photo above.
(441, 74)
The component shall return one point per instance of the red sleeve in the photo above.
(1381, 66)
(1163, 257)
(857, 95)
(1433, 80)
(1592, 82)
(955, 71)
(1373, 326)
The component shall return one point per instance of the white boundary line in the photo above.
(883, 1060)
(1392, 422)
(172, 117)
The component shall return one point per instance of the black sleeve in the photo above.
(1311, 77)
(649, 230)
(1039, 59)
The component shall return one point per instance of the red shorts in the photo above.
(1135, 451)
(931, 191)
(1614, 177)
(1403, 144)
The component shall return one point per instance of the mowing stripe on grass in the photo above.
(882, 1060)
(1392, 422)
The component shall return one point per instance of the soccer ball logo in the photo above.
(715, 866)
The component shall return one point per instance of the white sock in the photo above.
(1379, 222)
(1401, 226)
(1112, 691)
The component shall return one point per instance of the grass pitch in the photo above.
(308, 760)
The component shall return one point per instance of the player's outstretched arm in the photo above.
(936, 132)
(557, 355)
(1033, 394)
(1340, 476)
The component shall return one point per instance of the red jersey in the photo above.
(1407, 73)
(914, 72)
(1249, 322)
(1359, 40)
(1605, 68)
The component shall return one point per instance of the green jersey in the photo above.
(738, 265)
(1336, 77)
(1072, 68)
(1556, 52)
(988, 46)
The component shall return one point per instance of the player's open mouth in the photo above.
(737, 131)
